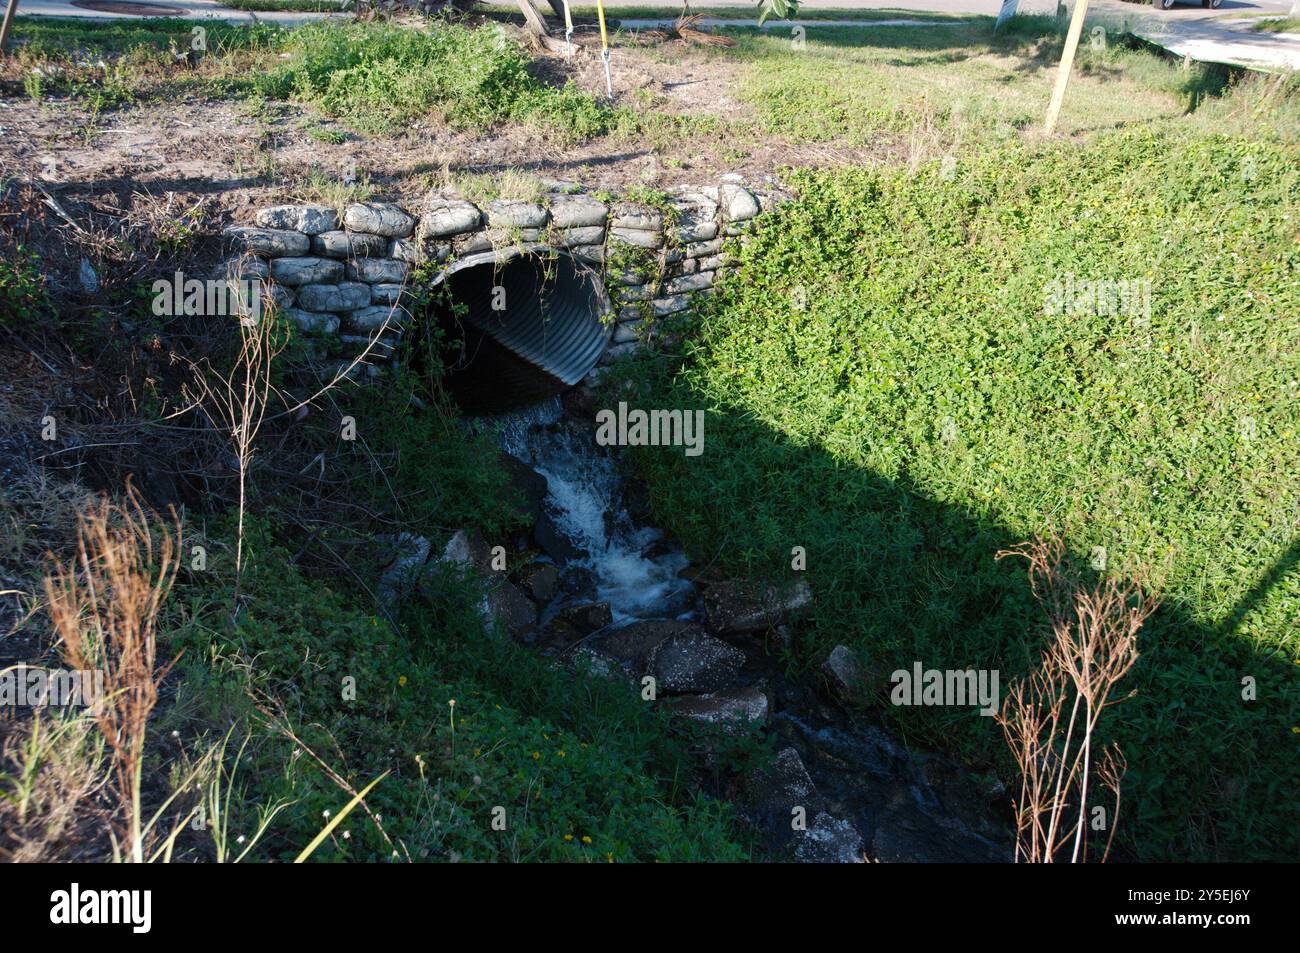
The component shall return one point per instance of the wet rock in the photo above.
(694, 661)
(539, 581)
(828, 840)
(512, 608)
(469, 548)
(587, 617)
(552, 540)
(502, 600)
(634, 645)
(795, 818)
(731, 709)
(742, 606)
(378, 218)
(558, 634)
(844, 675)
(530, 484)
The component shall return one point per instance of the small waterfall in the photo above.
(635, 571)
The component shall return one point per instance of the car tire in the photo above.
(1162, 4)
(1216, 3)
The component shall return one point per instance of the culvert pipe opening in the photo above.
(519, 327)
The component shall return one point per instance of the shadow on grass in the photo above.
(904, 578)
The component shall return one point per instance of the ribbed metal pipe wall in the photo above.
(531, 320)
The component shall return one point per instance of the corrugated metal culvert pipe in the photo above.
(530, 321)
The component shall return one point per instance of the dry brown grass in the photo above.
(104, 604)
(1050, 719)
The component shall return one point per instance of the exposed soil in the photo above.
(238, 159)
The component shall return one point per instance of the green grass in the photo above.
(375, 78)
(956, 86)
(1279, 25)
(923, 411)
(565, 759)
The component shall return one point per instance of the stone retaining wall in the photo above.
(342, 275)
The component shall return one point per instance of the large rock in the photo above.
(444, 216)
(306, 271)
(577, 211)
(828, 840)
(378, 218)
(742, 606)
(513, 213)
(527, 482)
(586, 617)
(371, 319)
(512, 608)
(693, 661)
(539, 581)
(346, 296)
(312, 320)
(337, 244)
(410, 554)
(467, 547)
(731, 709)
(783, 796)
(737, 202)
(308, 219)
(633, 216)
(844, 675)
(636, 237)
(268, 242)
(634, 646)
(502, 600)
(375, 270)
(552, 540)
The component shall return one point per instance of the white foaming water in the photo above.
(584, 500)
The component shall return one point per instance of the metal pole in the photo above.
(9, 22)
(1067, 63)
(604, 49)
(568, 29)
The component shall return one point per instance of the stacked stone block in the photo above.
(349, 276)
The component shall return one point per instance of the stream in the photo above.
(860, 789)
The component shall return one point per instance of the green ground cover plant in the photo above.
(887, 388)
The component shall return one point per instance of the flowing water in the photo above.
(632, 567)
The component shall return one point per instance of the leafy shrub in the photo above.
(23, 296)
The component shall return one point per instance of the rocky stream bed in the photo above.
(602, 592)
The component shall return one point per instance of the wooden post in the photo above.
(1067, 63)
(9, 22)
(535, 22)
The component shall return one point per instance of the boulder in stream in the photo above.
(742, 606)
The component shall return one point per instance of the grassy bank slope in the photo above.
(889, 390)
